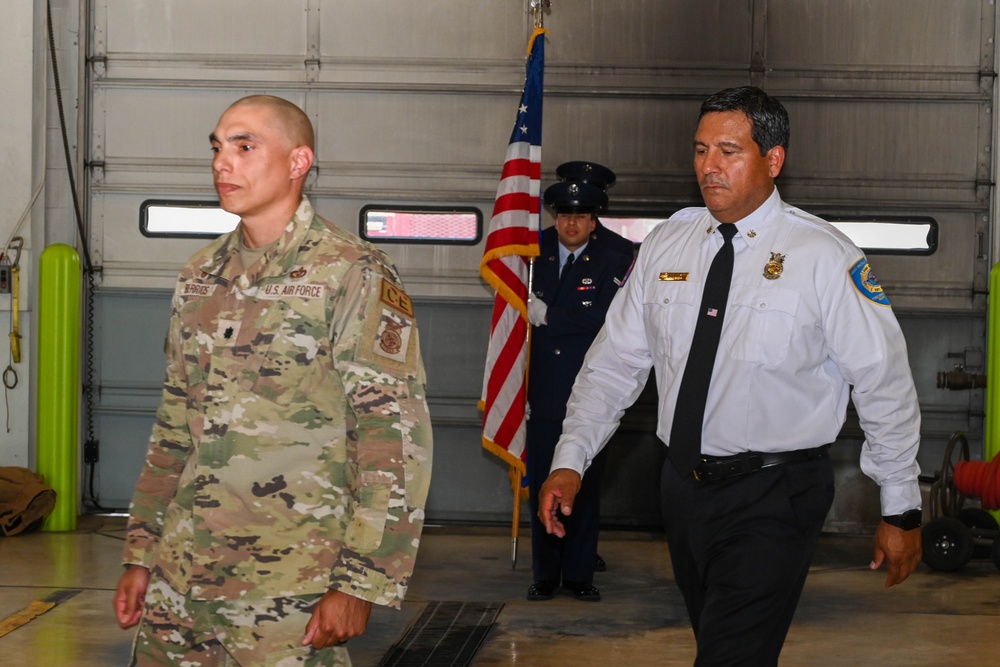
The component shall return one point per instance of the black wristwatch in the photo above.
(908, 520)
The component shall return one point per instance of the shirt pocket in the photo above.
(195, 344)
(369, 511)
(761, 321)
(287, 353)
(671, 311)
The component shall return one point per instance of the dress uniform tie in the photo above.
(565, 268)
(689, 413)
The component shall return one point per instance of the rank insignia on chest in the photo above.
(228, 331)
(774, 266)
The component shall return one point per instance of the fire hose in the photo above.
(979, 479)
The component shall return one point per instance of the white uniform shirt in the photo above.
(790, 350)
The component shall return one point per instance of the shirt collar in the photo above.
(750, 227)
(277, 260)
(564, 253)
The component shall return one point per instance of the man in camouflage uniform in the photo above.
(284, 487)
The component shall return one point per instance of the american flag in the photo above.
(512, 239)
(712, 312)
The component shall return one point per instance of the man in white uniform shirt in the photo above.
(804, 321)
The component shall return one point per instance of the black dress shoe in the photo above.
(599, 564)
(541, 590)
(581, 590)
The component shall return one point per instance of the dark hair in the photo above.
(768, 118)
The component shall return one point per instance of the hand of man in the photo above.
(899, 549)
(557, 496)
(336, 618)
(130, 596)
(536, 311)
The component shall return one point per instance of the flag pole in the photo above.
(516, 473)
(538, 8)
(517, 518)
(512, 241)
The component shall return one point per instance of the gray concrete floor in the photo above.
(846, 617)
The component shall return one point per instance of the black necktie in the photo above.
(565, 268)
(689, 413)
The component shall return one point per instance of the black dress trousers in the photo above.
(741, 549)
(570, 558)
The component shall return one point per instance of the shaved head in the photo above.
(263, 152)
(288, 118)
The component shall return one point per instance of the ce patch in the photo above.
(389, 333)
(865, 282)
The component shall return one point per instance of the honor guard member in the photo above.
(575, 278)
(754, 371)
(285, 481)
(600, 177)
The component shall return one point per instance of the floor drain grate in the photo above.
(446, 634)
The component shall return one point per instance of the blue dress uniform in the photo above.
(577, 305)
(591, 173)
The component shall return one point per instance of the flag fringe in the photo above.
(531, 42)
(515, 300)
(522, 249)
(520, 490)
(508, 458)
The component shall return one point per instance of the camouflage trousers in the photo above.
(178, 631)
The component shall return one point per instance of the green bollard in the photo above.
(58, 397)
(991, 439)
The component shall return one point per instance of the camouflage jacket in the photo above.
(292, 449)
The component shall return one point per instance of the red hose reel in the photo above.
(979, 479)
(956, 533)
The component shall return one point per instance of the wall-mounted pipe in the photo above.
(960, 379)
(58, 383)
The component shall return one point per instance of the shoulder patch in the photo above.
(865, 282)
(392, 337)
(394, 297)
(389, 338)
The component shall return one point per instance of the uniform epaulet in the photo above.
(819, 224)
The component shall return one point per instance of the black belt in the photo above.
(713, 468)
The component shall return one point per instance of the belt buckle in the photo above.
(704, 472)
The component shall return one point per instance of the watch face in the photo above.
(912, 519)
